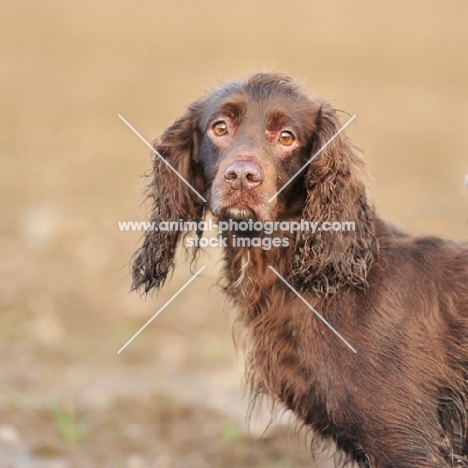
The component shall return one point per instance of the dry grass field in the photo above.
(70, 170)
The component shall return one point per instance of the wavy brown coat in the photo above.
(401, 301)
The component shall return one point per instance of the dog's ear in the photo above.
(330, 259)
(171, 200)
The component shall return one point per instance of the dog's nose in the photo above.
(243, 175)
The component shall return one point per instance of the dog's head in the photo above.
(239, 146)
(255, 136)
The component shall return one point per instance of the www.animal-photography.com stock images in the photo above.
(234, 235)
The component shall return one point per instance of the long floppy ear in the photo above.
(329, 260)
(171, 200)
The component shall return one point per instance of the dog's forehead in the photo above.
(261, 105)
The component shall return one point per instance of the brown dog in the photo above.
(402, 302)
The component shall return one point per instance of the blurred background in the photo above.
(70, 170)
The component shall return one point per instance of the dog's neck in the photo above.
(247, 276)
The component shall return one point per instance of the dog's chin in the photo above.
(240, 214)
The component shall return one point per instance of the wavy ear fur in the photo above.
(329, 260)
(171, 200)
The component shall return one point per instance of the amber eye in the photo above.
(286, 138)
(220, 128)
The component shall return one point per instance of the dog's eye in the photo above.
(286, 138)
(220, 128)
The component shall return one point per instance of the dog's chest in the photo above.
(297, 360)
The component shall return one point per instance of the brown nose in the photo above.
(243, 175)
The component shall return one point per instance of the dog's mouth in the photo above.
(239, 205)
(240, 210)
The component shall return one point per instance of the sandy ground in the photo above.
(70, 170)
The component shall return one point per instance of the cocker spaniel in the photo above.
(398, 396)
